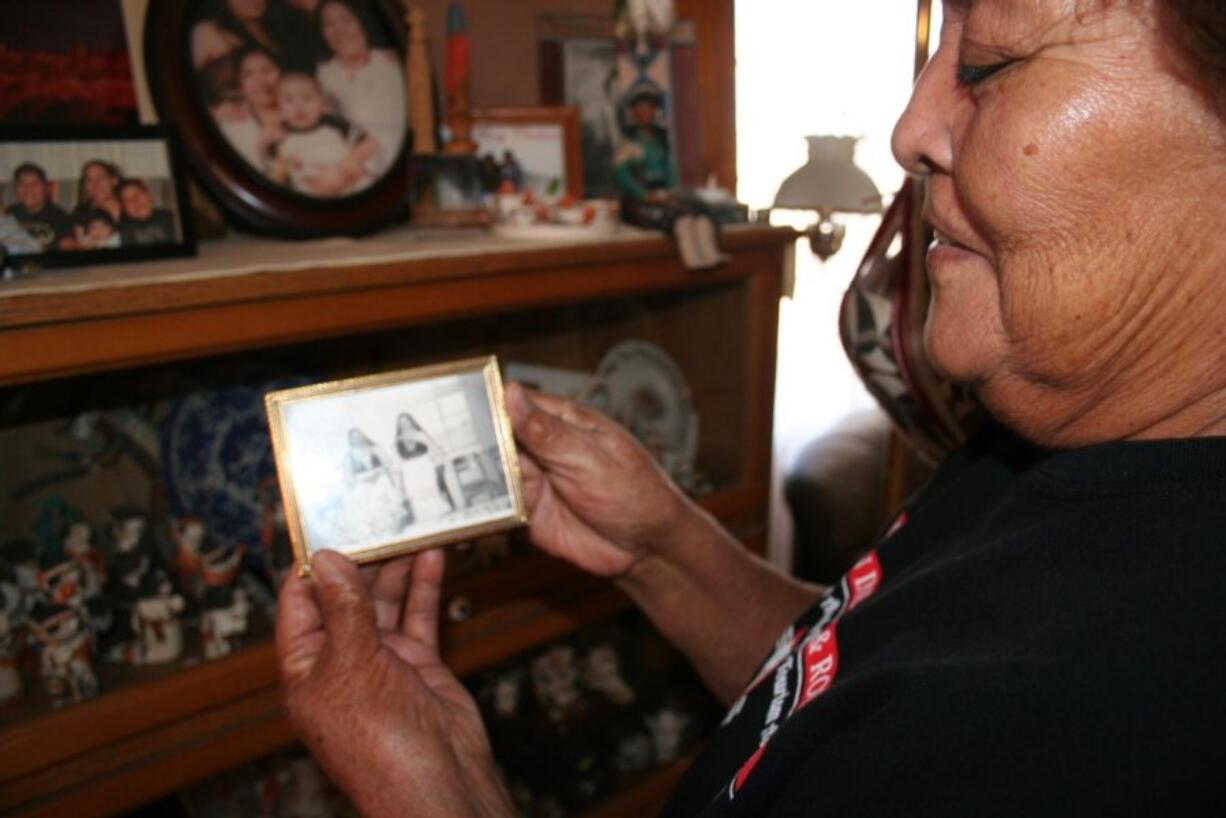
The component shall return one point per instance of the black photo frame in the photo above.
(251, 196)
(55, 158)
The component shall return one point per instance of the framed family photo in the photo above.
(293, 112)
(71, 196)
(534, 149)
(394, 463)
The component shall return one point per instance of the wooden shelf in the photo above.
(243, 293)
(173, 727)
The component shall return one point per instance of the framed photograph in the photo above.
(448, 191)
(293, 112)
(534, 149)
(388, 464)
(65, 62)
(75, 196)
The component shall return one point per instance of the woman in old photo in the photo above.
(365, 83)
(375, 504)
(427, 473)
(254, 127)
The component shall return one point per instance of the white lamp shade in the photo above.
(830, 180)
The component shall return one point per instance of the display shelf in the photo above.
(244, 292)
(154, 731)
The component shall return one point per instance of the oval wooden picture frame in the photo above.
(254, 201)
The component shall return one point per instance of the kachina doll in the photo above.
(156, 623)
(650, 195)
(12, 638)
(224, 620)
(65, 660)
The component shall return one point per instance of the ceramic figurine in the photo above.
(22, 557)
(134, 554)
(555, 680)
(188, 535)
(644, 22)
(224, 620)
(66, 581)
(155, 622)
(219, 565)
(602, 672)
(667, 728)
(12, 616)
(78, 543)
(634, 754)
(65, 660)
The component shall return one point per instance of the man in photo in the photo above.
(141, 222)
(35, 211)
(14, 239)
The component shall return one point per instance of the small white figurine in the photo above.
(188, 535)
(555, 680)
(667, 728)
(12, 615)
(155, 622)
(65, 661)
(602, 672)
(78, 542)
(224, 620)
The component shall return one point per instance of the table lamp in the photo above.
(829, 183)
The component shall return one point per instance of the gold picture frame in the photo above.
(398, 462)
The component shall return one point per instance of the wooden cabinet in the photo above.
(399, 298)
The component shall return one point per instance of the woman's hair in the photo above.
(1195, 31)
(111, 169)
(403, 416)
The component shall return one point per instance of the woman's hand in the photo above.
(369, 696)
(596, 497)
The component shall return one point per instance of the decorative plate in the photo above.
(647, 393)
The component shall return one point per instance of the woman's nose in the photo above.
(923, 136)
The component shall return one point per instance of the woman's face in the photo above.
(99, 183)
(247, 9)
(257, 79)
(1072, 174)
(343, 31)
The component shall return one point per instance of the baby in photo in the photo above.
(321, 154)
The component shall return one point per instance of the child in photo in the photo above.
(98, 232)
(321, 154)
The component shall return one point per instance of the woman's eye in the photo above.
(969, 75)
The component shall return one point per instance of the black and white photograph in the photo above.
(310, 93)
(393, 463)
(72, 196)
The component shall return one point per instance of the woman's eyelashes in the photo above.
(970, 75)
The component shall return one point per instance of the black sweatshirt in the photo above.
(1037, 634)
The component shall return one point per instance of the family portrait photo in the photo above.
(310, 94)
(90, 198)
(373, 466)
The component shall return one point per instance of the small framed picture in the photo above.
(394, 463)
(532, 149)
(91, 195)
(294, 114)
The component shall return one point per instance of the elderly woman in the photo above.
(1040, 631)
